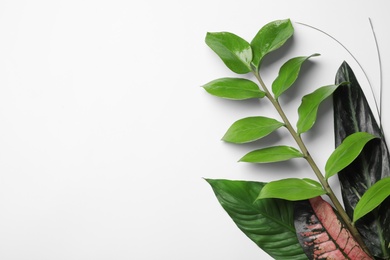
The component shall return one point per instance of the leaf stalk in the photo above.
(347, 221)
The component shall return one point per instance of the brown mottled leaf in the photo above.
(322, 234)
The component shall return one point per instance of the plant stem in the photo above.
(347, 221)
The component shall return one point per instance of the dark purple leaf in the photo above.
(321, 233)
(352, 114)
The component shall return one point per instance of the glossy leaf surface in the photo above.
(272, 154)
(346, 152)
(268, 223)
(288, 74)
(374, 196)
(352, 113)
(308, 109)
(269, 38)
(321, 233)
(250, 129)
(234, 51)
(292, 189)
(234, 88)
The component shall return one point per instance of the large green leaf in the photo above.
(352, 114)
(346, 152)
(268, 223)
(307, 111)
(250, 129)
(234, 88)
(322, 234)
(272, 154)
(292, 189)
(269, 38)
(234, 51)
(374, 196)
(288, 74)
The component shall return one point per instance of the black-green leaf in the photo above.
(250, 129)
(352, 114)
(272, 154)
(269, 38)
(234, 51)
(234, 88)
(268, 223)
(288, 74)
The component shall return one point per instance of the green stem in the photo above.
(313, 165)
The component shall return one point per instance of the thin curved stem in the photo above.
(313, 165)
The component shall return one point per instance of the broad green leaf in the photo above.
(272, 154)
(250, 129)
(288, 74)
(322, 234)
(307, 111)
(352, 114)
(292, 189)
(269, 38)
(268, 223)
(374, 196)
(234, 51)
(346, 152)
(234, 88)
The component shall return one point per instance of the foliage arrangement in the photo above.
(288, 218)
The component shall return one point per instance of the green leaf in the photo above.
(250, 129)
(292, 189)
(374, 196)
(307, 111)
(234, 51)
(346, 152)
(352, 114)
(234, 88)
(268, 223)
(272, 154)
(269, 38)
(288, 74)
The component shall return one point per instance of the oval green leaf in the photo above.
(234, 51)
(272, 154)
(251, 129)
(234, 88)
(346, 152)
(292, 189)
(372, 198)
(288, 74)
(268, 223)
(307, 111)
(269, 38)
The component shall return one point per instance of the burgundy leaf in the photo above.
(321, 233)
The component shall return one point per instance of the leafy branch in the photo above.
(242, 57)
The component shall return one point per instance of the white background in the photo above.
(106, 134)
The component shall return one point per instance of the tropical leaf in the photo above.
(288, 74)
(374, 196)
(346, 152)
(234, 88)
(322, 234)
(292, 189)
(234, 51)
(352, 114)
(269, 38)
(307, 111)
(250, 129)
(272, 154)
(268, 223)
